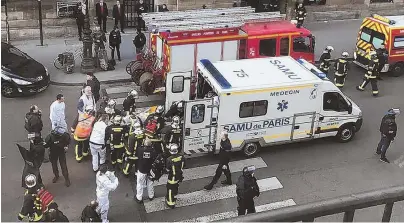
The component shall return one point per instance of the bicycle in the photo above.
(66, 60)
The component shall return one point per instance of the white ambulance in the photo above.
(261, 102)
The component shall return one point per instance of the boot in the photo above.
(55, 179)
(384, 159)
(227, 182)
(67, 182)
(208, 187)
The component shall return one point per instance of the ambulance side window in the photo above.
(197, 113)
(285, 46)
(333, 101)
(398, 42)
(301, 44)
(268, 47)
(253, 109)
(178, 84)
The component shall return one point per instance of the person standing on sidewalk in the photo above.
(101, 11)
(94, 83)
(58, 141)
(146, 155)
(115, 42)
(79, 15)
(97, 142)
(57, 113)
(139, 41)
(119, 15)
(388, 130)
(223, 167)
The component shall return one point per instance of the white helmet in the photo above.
(173, 149)
(180, 104)
(30, 180)
(138, 131)
(134, 94)
(117, 119)
(160, 109)
(111, 103)
(136, 125)
(345, 54)
(329, 48)
(88, 108)
(176, 122)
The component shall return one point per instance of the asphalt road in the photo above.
(308, 171)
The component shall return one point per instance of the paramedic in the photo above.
(325, 59)
(31, 207)
(97, 142)
(82, 133)
(154, 122)
(223, 167)
(176, 109)
(246, 189)
(341, 70)
(174, 133)
(174, 167)
(33, 121)
(106, 182)
(382, 55)
(388, 130)
(58, 142)
(87, 99)
(135, 141)
(301, 14)
(57, 113)
(130, 100)
(115, 133)
(146, 155)
(371, 75)
(90, 214)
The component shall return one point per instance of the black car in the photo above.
(20, 74)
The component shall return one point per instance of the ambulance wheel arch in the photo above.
(346, 132)
(398, 69)
(251, 147)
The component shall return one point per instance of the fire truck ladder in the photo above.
(214, 10)
(254, 17)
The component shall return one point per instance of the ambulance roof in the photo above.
(261, 73)
(399, 19)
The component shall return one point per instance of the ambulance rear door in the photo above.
(197, 119)
(177, 87)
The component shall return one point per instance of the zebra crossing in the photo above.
(400, 161)
(199, 205)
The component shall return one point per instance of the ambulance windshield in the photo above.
(371, 36)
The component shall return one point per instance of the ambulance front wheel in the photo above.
(398, 70)
(346, 133)
(251, 149)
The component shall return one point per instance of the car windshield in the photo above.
(13, 57)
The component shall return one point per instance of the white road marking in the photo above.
(399, 160)
(142, 98)
(202, 196)
(232, 214)
(209, 171)
(121, 89)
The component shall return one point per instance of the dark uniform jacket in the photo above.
(224, 153)
(31, 207)
(78, 15)
(173, 135)
(146, 156)
(388, 127)
(382, 55)
(116, 133)
(140, 8)
(174, 111)
(247, 187)
(60, 217)
(115, 38)
(33, 122)
(325, 60)
(128, 103)
(57, 142)
(373, 67)
(95, 86)
(140, 40)
(300, 12)
(118, 13)
(178, 162)
(342, 66)
(98, 10)
(90, 215)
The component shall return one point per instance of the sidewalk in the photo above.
(52, 47)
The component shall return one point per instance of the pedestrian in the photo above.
(223, 167)
(388, 130)
(139, 41)
(97, 142)
(31, 207)
(94, 83)
(174, 168)
(86, 100)
(79, 16)
(164, 8)
(115, 134)
(106, 182)
(90, 214)
(57, 113)
(33, 121)
(82, 133)
(371, 75)
(325, 59)
(114, 43)
(382, 55)
(55, 215)
(341, 70)
(301, 14)
(246, 189)
(119, 15)
(58, 141)
(234, 3)
(101, 11)
(140, 9)
(146, 156)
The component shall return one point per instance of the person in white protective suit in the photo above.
(98, 143)
(106, 182)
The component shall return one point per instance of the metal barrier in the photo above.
(345, 204)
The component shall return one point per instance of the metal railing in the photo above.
(345, 204)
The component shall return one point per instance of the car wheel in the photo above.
(398, 70)
(251, 149)
(346, 133)
(8, 90)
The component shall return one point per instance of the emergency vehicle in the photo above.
(376, 30)
(261, 102)
(253, 35)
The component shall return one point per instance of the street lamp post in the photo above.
(87, 64)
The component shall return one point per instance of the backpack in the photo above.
(151, 126)
(46, 199)
(111, 65)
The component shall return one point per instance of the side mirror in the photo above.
(349, 109)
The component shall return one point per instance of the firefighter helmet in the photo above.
(111, 103)
(30, 180)
(117, 119)
(176, 122)
(173, 149)
(345, 54)
(133, 94)
(329, 48)
(159, 109)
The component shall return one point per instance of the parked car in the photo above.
(20, 74)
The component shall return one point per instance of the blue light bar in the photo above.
(312, 68)
(215, 74)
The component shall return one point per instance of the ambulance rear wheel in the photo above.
(398, 70)
(346, 133)
(251, 149)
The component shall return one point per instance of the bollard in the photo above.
(40, 21)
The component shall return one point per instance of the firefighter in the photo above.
(388, 130)
(130, 100)
(301, 14)
(174, 133)
(135, 141)
(55, 215)
(174, 167)
(382, 55)
(146, 155)
(176, 109)
(111, 110)
(341, 70)
(246, 189)
(154, 123)
(33, 121)
(371, 75)
(325, 59)
(90, 214)
(115, 134)
(82, 133)
(33, 158)
(32, 208)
